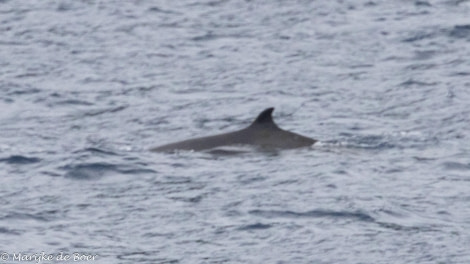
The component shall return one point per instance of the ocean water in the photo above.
(87, 87)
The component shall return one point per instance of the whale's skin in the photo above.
(263, 133)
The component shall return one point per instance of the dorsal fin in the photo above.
(265, 117)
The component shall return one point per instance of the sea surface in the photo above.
(88, 87)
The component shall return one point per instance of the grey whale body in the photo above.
(263, 133)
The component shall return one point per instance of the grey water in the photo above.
(88, 87)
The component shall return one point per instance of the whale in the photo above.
(262, 133)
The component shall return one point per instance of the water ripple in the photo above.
(21, 160)
(8, 231)
(460, 31)
(87, 171)
(313, 214)
(451, 165)
(256, 226)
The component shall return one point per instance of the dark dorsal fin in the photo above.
(265, 118)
